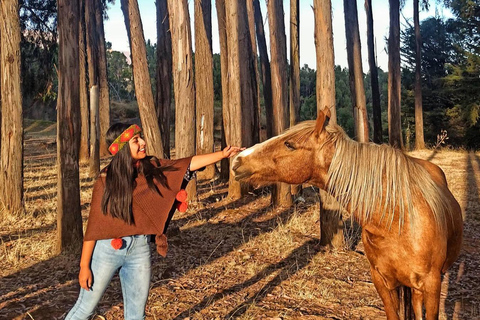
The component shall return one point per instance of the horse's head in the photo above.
(299, 155)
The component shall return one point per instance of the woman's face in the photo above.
(137, 147)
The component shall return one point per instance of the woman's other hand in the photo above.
(85, 278)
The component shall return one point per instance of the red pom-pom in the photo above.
(181, 195)
(182, 206)
(117, 243)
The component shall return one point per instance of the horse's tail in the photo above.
(405, 307)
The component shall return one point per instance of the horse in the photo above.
(412, 226)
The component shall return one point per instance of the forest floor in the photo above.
(227, 259)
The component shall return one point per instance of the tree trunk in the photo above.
(204, 83)
(294, 62)
(294, 70)
(141, 76)
(84, 109)
(11, 161)
(93, 71)
(325, 87)
(183, 84)
(281, 195)
(372, 61)
(354, 57)
(222, 33)
(69, 215)
(394, 77)
(330, 233)
(240, 87)
(265, 68)
(419, 139)
(164, 74)
(104, 97)
(255, 76)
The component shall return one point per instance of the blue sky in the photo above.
(116, 34)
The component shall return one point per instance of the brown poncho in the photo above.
(150, 209)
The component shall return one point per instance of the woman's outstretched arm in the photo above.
(202, 160)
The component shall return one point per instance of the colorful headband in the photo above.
(122, 139)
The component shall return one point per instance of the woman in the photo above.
(134, 197)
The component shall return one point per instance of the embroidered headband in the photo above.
(122, 139)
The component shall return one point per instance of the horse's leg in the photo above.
(389, 297)
(432, 295)
(417, 302)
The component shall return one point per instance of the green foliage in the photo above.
(120, 77)
(450, 81)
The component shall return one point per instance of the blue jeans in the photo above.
(133, 260)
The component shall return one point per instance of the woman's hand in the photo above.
(230, 151)
(85, 278)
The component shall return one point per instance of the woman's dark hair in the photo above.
(121, 174)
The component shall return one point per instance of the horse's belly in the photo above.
(399, 259)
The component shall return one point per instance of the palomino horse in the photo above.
(412, 225)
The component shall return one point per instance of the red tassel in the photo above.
(181, 195)
(117, 243)
(182, 206)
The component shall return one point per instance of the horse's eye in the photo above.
(289, 145)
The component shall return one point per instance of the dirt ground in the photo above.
(227, 259)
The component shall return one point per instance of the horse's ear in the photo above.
(322, 120)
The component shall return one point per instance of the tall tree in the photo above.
(69, 215)
(204, 82)
(104, 97)
(394, 77)
(11, 159)
(239, 117)
(93, 82)
(84, 153)
(278, 52)
(294, 62)
(164, 74)
(141, 77)
(264, 67)
(325, 87)
(419, 139)
(255, 75)
(222, 33)
(354, 57)
(330, 233)
(372, 62)
(183, 84)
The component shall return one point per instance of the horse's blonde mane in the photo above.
(360, 173)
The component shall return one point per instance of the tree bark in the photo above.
(69, 215)
(255, 75)
(394, 77)
(141, 76)
(325, 87)
(372, 61)
(183, 84)
(419, 139)
(281, 193)
(11, 161)
(294, 62)
(93, 72)
(330, 233)
(264, 68)
(240, 87)
(355, 70)
(84, 109)
(204, 83)
(222, 33)
(164, 74)
(104, 97)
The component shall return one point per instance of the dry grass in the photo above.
(227, 259)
